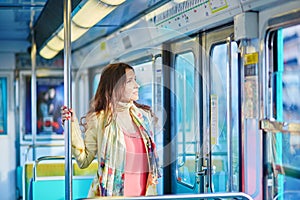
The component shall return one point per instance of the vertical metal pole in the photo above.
(67, 98)
(33, 89)
(229, 116)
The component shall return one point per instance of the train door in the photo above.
(221, 111)
(282, 120)
(184, 115)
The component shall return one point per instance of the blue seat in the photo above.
(47, 180)
(54, 189)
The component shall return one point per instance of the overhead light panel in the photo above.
(91, 13)
(56, 43)
(47, 52)
(86, 17)
(76, 32)
(113, 2)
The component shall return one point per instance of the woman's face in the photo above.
(131, 90)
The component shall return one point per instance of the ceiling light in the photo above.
(56, 43)
(85, 17)
(91, 13)
(47, 52)
(76, 32)
(113, 2)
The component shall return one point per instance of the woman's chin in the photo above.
(135, 98)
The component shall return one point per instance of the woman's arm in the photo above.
(83, 148)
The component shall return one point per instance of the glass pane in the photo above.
(158, 106)
(235, 116)
(159, 112)
(144, 78)
(185, 117)
(286, 79)
(3, 106)
(219, 135)
(96, 81)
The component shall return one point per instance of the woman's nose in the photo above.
(136, 85)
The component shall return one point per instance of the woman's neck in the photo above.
(123, 106)
(124, 119)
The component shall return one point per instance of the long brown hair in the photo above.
(109, 92)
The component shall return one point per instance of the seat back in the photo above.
(46, 180)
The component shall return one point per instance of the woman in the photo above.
(119, 131)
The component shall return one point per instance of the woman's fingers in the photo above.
(66, 113)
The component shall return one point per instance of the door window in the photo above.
(185, 117)
(284, 146)
(224, 148)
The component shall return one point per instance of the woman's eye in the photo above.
(130, 80)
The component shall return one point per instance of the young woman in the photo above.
(118, 131)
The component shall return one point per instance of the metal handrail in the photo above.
(44, 158)
(287, 171)
(38, 145)
(47, 158)
(271, 125)
(188, 196)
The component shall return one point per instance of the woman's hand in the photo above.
(67, 114)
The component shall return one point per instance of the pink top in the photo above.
(136, 166)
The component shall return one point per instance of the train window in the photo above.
(284, 146)
(96, 81)
(223, 167)
(81, 83)
(157, 106)
(50, 95)
(149, 77)
(290, 104)
(185, 117)
(3, 106)
(144, 78)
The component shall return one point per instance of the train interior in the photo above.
(222, 77)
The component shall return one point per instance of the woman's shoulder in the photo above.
(95, 118)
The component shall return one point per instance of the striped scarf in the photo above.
(113, 152)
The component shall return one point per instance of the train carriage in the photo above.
(222, 77)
